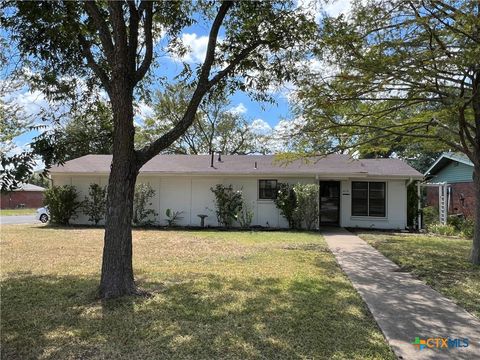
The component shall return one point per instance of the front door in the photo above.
(329, 202)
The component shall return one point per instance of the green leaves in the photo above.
(95, 205)
(143, 214)
(228, 204)
(401, 72)
(62, 202)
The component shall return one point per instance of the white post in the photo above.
(442, 206)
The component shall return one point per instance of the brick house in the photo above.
(456, 170)
(27, 196)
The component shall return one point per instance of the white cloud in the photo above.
(239, 109)
(261, 127)
(31, 103)
(316, 8)
(144, 110)
(339, 7)
(196, 48)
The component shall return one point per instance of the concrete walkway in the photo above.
(403, 306)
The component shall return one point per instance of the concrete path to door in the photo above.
(403, 306)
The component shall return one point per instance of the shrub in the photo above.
(456, 221)
(412, 204)
(245, 216)
(447, 230)
(430, 216)
(286, 202)
(173, 216)
(141, 201)
(307, 204)
(95, 205)
(468, 228)
(227, 204)
(62, 203)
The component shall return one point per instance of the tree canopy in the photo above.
(74, 47)
(216, 128)
(397, 71)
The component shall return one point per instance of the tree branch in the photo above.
(104, 32)
(167, 139)
(147, 8)
(119, 35)
(96, 68)
(132, 35)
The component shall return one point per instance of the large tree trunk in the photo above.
(117, 270)
(475, 256)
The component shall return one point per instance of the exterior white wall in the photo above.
(396, 207)
(192, 196)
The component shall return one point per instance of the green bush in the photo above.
(286, 202)
(307, 204)
(412, 204)
(95, 205)
(456, 221)
(62, 203)
(142, 214)
(227, 204)
(446, 230)
(468, 228)
(173, 216)
(245, 215)
(430, 216)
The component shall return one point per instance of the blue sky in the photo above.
(265, 116)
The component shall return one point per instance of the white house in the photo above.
(369, 193)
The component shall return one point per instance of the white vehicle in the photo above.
(42, 214)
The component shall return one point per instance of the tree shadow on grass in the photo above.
(207, 317)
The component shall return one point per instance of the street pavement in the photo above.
(18, 219)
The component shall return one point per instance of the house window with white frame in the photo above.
(267, 189)
(368, 198)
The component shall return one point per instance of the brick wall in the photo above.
(31, 199)
(462, 198)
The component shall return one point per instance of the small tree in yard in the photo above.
(62, 203)
(227, 204)
(95, 205)
(286, 201)
(141, 203)
(307, 204)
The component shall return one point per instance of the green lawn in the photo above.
(228, 295)
(440, 261)
(11, 212)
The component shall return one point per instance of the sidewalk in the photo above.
(403, 307)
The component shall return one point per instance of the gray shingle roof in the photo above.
(335, 164)
(29, 187)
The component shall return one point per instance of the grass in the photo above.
(228, 295)
(12, 212)
(441, 262)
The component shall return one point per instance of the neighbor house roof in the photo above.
(450, 167)
(445, 159)
(335, 164)
(29, 187)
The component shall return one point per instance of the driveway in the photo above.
(18, 219)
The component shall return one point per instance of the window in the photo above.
(267, 189)
(368, 199)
